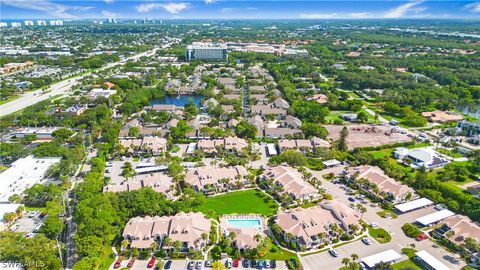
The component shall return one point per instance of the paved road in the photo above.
(60, 88)
(393, 226)
(372, 113)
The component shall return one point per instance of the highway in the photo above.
(60, 88)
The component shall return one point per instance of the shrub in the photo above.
(411, 230)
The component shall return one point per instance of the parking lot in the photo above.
(399, 240)
(29, 223)
(183, 265)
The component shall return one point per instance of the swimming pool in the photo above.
(244, 223)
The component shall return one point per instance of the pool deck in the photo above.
(245, 235)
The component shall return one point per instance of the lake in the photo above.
(180, 100)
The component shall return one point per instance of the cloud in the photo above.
(359, 15)
(109, 1)
(227, 10)
(109, 14)
(473, 7)
(354, 15)
(210, 1)
(173, 8)
(318, 15)
(52, 9)
(403, 9)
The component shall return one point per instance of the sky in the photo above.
(228, 9)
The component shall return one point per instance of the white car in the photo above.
(333, 252)
(367, 241)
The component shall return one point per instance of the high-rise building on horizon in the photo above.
(206, 51)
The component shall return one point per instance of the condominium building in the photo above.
(206, 51)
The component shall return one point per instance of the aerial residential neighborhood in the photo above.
(187, 135)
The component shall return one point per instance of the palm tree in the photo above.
(204, 236)
(354, 256)
(214, 163)
(154, 246)
(345, 261)
(232, 235)
(257, 238)
(362, 209)
(167, 241)
(124, 244)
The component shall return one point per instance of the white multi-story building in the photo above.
(206, 51)
(56, 22)
(41, 23)
(28, 23)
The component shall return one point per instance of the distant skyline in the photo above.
(218, 9)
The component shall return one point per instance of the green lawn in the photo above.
(386, 213)
(335, 115)
(449, 153)
(108, 258)
(240, 202)
(408, 264)
(382, 153)
(381, 235)
(279, 255)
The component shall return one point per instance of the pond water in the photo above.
(180, 100)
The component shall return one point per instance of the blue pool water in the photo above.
(177, 100)
(244, 223)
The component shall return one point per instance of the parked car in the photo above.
(236, 262)
(333, 252)
(373, 225)
(191, 265)
(199, 265)
(253, 264)
(151, 263)
(246, 263)
(267, 264)
(273, 264)
(352, 199)
(117, 264)
(228, 263)
(367, 241)
(167, 265)
(422, 236)
(130, 263)
(260, 264)
(208, 263)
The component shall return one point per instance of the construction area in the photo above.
(364, 135)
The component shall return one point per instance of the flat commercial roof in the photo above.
(24, 173)
(150, 169)
(191, 147)
(435, 217)
(385, 256)
(331, 162)
(271, 149)
(412, 205)
(431, 261)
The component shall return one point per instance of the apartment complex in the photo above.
(317, 225)
(211, 179)
(187, 228)
(391, 189)
(289, 181)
